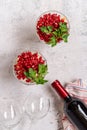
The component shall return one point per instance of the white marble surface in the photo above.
(66, 61)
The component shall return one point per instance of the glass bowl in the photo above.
(36, 106)
(27, 67)
(52, 27)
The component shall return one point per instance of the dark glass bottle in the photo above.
(75, 109)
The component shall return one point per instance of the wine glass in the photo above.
(36, 107)
(10, 113)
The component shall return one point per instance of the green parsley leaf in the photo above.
(40, 80)
(32, 73)
(26, 74)
(42, 69)
(63, 27)
(35, 76)
(55, 33)
(65, 37)
(52, 41)
(58, 32)
(46, 29)
(49, 28)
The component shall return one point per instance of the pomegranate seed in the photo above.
(28, 80)
(62, 20)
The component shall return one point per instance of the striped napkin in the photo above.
(76, 89)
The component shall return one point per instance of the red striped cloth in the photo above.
(76, 89)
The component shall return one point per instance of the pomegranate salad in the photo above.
(53, 28)
(30, 67)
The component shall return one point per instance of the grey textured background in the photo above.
(66, 61)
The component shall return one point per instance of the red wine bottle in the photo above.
(75, 109)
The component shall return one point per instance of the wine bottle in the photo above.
(75, 109)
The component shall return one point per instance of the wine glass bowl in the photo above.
(10, 113)
(52, 27)
(36, 106)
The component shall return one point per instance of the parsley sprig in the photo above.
(46, 29)
(60, 33)
(35, 76)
